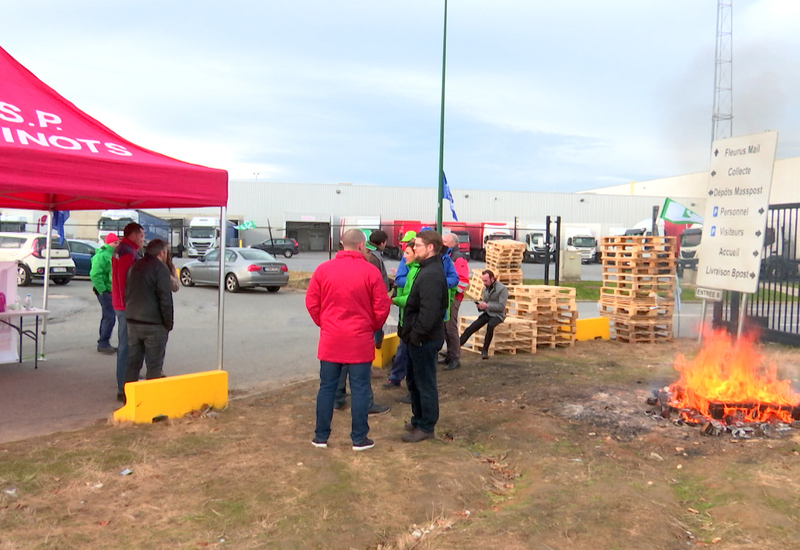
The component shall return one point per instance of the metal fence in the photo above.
(775, 308)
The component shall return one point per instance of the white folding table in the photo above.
(7, 318)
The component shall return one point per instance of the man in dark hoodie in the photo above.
(149, 311)
(423, 334)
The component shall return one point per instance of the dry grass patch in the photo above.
(551, 450)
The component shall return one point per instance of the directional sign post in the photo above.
(739, 184)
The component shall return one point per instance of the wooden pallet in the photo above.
(642, 332)
(663, 261)
(635, 311)
(510, 336)
(665, 291)
(509, 276)
(638, 240)
(475, 289)
(504, 245)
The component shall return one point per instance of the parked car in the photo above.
(244, 268)
(82, 252)
(29, 251)
(287, 247)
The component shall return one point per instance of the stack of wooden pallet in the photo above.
(552, 307)
(638, 291)
(504, 258)
(510, 336)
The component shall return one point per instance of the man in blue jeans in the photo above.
(121, 260)
(100, 274)
(347, 300)
(423, 332)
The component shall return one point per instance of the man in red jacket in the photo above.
(452, 360)
(121, 260)
(348, 301)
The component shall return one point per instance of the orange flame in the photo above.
(733, 375)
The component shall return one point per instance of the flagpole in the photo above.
(441, 127)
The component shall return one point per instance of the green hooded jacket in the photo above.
(402, 292)
(100, 273)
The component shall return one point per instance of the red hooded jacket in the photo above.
(348, 301)
(121, 260)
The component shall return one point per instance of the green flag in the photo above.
(246, 225)
(675, 212)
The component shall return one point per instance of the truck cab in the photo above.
(690, 248)
(202, 236)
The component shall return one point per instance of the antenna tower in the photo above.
(722, 119)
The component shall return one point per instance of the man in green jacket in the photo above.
(100, 275)
(400, 363)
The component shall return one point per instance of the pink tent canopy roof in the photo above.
(53, 156)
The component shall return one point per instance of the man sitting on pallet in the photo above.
(493, 308)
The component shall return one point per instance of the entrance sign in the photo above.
(739, 184)
(710, 294)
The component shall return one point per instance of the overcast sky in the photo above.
(541, 95)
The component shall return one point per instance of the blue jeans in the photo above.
(400, 364)
(146, 344)
(360, 390)
(107, 321)
(421, 382)
(341, 389)
(122, 350)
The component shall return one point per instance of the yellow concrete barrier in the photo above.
(384, 355)
(595, 328)
(173, 396)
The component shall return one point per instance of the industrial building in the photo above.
(307, 211)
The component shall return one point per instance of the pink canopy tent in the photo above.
(53, 156)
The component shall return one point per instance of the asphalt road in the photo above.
(269, 341)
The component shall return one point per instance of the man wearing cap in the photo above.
(375, 246)
(100, 274)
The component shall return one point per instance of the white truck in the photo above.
(536, 248)
(581, 239)
(201, 236)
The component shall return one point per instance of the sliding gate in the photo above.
(775, 308)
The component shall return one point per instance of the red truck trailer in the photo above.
(460, 229)
(482, 232)
(395, 229)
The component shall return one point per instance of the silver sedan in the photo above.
(244, 267)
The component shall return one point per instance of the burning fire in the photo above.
(729, 379)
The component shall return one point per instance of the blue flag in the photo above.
(59, 218)
(446, 194)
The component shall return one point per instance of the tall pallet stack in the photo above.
(638, 292)
(552, 307)
(504, 258)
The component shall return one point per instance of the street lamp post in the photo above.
(441, 126)
(256, 174)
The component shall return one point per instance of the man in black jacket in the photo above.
(148, 308)
(423, 334)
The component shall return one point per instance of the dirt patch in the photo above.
(551, 450)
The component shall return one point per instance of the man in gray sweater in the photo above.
(493, 308)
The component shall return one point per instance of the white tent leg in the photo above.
(223, 223)
(49, 248)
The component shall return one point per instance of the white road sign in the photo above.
(739, 183)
